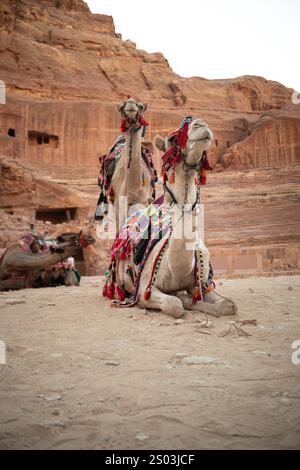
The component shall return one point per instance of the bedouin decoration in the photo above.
(174, 155)
(126, 246)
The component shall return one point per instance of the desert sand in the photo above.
(80, 374)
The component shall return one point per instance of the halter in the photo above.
(186, 168)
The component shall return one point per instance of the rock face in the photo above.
(65, 69)
(274, 142)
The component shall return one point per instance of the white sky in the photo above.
(214, 38)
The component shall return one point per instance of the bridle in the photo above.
(186, 168)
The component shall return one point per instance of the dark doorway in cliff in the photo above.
(56, 216)
(228, 144)
(216, 142)
(11, 132)
(42, 138)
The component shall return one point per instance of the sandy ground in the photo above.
(80, 374)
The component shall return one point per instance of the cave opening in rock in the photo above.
(216, 142)
(228, 144)
(11, 132)
(40, 138)
(56, 216)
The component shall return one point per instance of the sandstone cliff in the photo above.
(66, 68)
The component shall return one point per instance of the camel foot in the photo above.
(224, 306)
(172, 306)
(168, 304)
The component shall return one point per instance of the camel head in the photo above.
(185, 149)
(131, 109)
(82, 240)
(191, 140)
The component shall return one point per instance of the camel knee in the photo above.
(172, 306)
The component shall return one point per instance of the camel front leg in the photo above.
(168, 304)
(214, 304)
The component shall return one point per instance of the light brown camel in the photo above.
(26, 264)
(132, 183)
(175, 271)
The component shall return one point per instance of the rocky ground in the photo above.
(80, 374)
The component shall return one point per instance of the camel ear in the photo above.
(142, 107)
(170, 141)
(159, 143)
(121, 106)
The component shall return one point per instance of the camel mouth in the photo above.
(130, 110)
(201, 140)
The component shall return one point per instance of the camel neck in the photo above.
(133, 176)
(183, 190)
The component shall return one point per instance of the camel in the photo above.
(28, 263)
(173, 277)
(127, 169)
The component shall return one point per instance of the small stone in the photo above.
(220, 283)
(199, 360)
(179, 322)
(141, 436)
(60, 424)
(262, 353)
(14, 301)
(53, 397)
(113, 362)
(290, 288)
(285, 400)
(56, 355)
(56, 412)
(251, 290)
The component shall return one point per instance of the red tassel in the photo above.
(123, 125)
(165, 177)
(172, 178)
(203, 176)
(183, 137)
(83, 241)
(196, 295)
(104, 291)
(147, 294)
(111, 291)
(143, 121)
(205, 163)
(121, 294)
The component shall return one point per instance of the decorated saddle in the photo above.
(134, 243)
